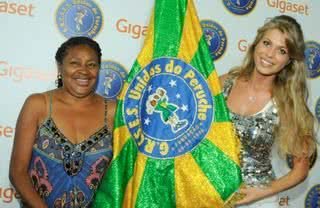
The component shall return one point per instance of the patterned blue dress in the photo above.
(65, 174)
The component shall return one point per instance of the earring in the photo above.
(59, 80)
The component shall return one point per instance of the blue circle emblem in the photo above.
(240, 7)
(215, 37)
(312, 54)
(313, 197)
(79, 18)
(168, 108)
(111, 79)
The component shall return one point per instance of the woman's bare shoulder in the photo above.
(38, 103)
(36, 100)
(112, 104)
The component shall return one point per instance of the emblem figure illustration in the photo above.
(158, 102)
(209, 36)
(79, 18)
(109, 78)
(311, 58)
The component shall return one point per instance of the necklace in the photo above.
(252, 98)
(251, 95)
(255, 94)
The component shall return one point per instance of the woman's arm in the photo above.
(295, 176)
(26, 129)
(112, 105)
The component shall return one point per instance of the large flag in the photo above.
(174, 144)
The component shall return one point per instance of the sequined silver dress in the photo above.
(256, 133)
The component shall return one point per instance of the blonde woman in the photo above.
(267, 96)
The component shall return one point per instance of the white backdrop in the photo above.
(32, 30)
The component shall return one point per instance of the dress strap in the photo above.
(227, 85)
(105, 113)
(50, 104)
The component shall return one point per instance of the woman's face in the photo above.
(271, 53)
(79, 69)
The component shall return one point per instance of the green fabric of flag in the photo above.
(174, 144)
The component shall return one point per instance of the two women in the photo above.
(63, 137)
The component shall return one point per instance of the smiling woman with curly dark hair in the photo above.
(63, 141)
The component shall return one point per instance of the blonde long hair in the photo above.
(295, 133)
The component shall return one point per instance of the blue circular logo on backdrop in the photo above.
(312, 54)
(240, 7)
(215, 37)
(168, 108)
(111, 79)
(313, 197)
(79, 18)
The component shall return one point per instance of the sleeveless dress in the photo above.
(65, 174)
(256, 134)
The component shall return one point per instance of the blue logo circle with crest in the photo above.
(216, 38)
(240, 7)
(313, 197)
(111, 78)
(168, 108)
(312, 61)
(79, 18)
